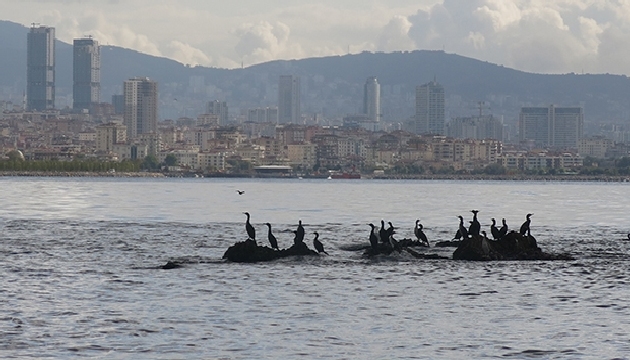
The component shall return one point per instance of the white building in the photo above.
(141, 102)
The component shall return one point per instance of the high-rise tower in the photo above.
(372, 99)
(289, 99)
(430, 109)
(218, 108)
(141, 102)
(40, 68)
(86, 73)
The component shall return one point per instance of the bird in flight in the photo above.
(240, 192)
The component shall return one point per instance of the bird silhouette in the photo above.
(494, 230)
(373, 237)
(251, 232)
(240, 192)
(525, 226)
(318, 244)
(420, 234)
(272, 239)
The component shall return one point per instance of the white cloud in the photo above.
(531, 35)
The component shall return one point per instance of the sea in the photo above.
(82, 272)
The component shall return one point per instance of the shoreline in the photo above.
(451, 177)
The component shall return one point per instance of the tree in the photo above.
(170, 160)
(150, 163)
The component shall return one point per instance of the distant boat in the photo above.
(345, 175)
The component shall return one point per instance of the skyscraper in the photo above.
(40, 68)
(372, 99)
(557, 127)
(141, 102)
(289, 99)
(430, 109)
(86, 73)
(219, 108)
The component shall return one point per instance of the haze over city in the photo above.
(557, 36)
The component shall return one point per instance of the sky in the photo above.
(542, 36)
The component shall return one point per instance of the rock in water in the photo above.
(248, 252)
(513, 246)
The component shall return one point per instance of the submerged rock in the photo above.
(249, 252)
(448, 243)
(512, 246)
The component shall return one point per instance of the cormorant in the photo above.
(462, 229)
(420, 234)
(373, 237)
(299, 235)
(390, 229)
(272, 239)
(628, 236)
(240, 192)
(251, 232)
(504, 229)
(525, 226)
(318, 244)
(383, 233)
(475, 226)
(494, 230)
(393, 243)
(458, 235)
(295, 240)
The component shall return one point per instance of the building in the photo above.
(263, 115)
(289, 100)
(108, 135)
(372, 99)
(86, 73)
(554, 127)
(475, 127)
(218, 108)
(118, 101)
(596, 146)
(40, 68)
(430, 109)
(141, 101)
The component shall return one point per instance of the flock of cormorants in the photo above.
(299, 236)
(386, 235)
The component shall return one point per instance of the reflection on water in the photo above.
(82, 279)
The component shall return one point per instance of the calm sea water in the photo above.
(82, 279)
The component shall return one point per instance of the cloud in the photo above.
(395, 35)
(532, 35)
(187, 54)
(264, 41)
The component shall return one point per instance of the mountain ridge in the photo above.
(333, 85)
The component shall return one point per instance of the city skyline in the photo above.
(578, 36)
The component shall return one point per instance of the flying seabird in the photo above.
(272, 239)
(525, 226)
(318, 244)
(240, 192)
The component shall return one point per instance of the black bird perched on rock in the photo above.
(494, 230)
(475, 226)
(525, 226)
(318, 244)
(251, 232)
(373, 237)
(299, 235)
(383, 233)
(462, 229)
(240, 192)
(504, 229)
(272, 239)
(391, 229)
(420, 234)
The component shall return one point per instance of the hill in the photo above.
(333, 85)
